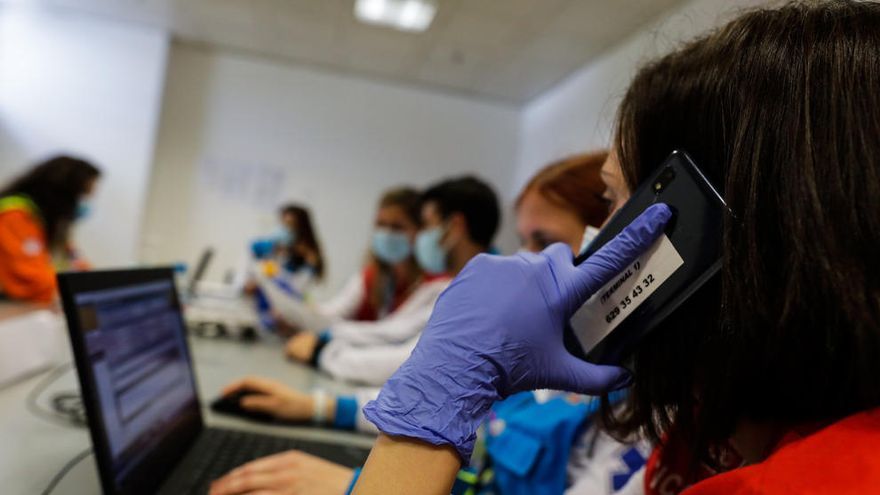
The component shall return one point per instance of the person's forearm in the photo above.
(403, 466)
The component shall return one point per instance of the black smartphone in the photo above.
(609, 326)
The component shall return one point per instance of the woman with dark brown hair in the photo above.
(299, 241)
(291, 255)
(391, 273)
(778, 360)
(37, 211)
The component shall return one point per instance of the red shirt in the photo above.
(841, 459)
(367, 312)
(669, 469)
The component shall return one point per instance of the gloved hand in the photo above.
(498, 330)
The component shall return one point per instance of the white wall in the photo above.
(239, 135)
(578, 114)
(89, 87)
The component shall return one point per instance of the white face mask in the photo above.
(590, 233)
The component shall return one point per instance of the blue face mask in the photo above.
(429, 253)
(83, 209)
(284, 237)
(390, 247)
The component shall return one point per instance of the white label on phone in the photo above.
(617, 299)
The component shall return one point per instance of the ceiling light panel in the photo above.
(404, 15)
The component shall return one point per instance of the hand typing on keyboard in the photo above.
(287, 473)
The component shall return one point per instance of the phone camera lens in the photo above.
(666, 177)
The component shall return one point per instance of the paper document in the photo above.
(295, 311)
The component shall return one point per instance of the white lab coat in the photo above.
(345, 304)
(405, 322)
(370, 352)
(367, 365)
(335, 316)
(302, 280)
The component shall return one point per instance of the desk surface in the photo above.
(11, 309)
(34, 450)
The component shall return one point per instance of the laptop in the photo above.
(138, 386)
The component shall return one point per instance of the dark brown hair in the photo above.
(573, 183)
(55, 186)
(780, 108)
(474, 199)
(305, 236)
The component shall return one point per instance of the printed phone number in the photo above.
(629, 299)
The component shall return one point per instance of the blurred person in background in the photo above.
(391, 281)
(301, 248)
(391, 275)
(459, 220)
(37, 214)
(293, 252)
(564, 202)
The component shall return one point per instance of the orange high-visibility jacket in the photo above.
(26, 270)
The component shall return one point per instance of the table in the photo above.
(9, 309)
(33, 450)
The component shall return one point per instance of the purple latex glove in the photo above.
(497, 330)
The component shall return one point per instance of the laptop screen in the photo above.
(132, 340)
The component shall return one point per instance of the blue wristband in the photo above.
(324, 338)
(346, 413)
(354, 480)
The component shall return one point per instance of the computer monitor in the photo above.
(135, 372)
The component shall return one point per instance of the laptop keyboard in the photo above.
(218, 451)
